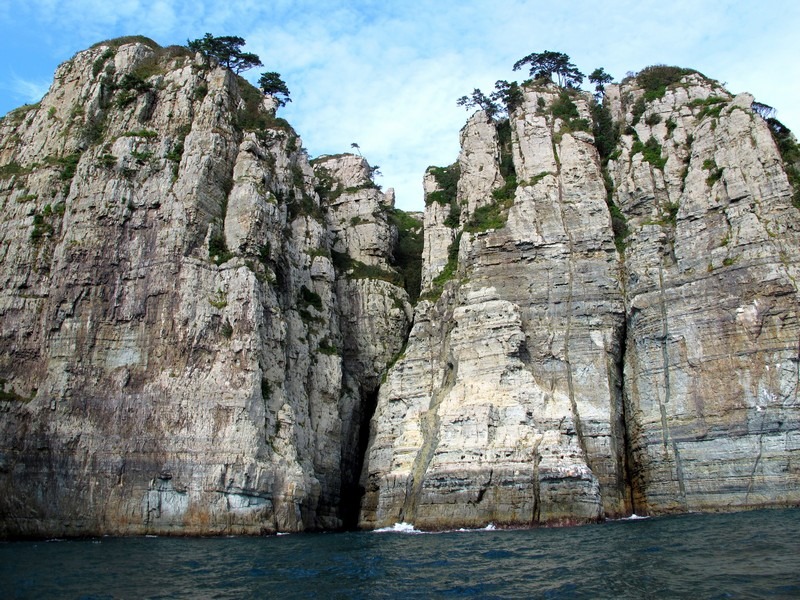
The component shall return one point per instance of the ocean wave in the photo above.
(398, 528)
(409, 528)
(489, 527)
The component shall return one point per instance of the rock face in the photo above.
(561, 375)
(179, 352)
(203, 331)
(507, 405)
(711, 362)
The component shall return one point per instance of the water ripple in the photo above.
(744, 555)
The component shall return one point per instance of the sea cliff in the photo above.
(198, 320)
(605, 327)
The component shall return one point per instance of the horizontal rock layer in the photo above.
(180, 354)
(567, 374)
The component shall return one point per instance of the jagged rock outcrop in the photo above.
(438, 234)
(203, 331)
(565, 373)
(515, 412)
(179, 352)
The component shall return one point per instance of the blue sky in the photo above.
(386, 75)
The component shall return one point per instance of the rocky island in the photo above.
(204, 331)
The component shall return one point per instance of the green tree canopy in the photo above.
(543, 65)
(375, 172)
(482, 101)
(272, 84)
(227, 50)
(506, 97)
(509, 94)
(765, 110)
(600, 78)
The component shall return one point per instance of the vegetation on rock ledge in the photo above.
(790, 153)
(407, 253)
(227, 50)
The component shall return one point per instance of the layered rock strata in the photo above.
(710, 276)
(562, 375)
(179, 352)
(506, 406)
(198, 322)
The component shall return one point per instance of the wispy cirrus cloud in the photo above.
(26, 90)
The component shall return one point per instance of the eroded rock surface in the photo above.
(197, 321)
(711, 364)
(562, 375)
(180, 353)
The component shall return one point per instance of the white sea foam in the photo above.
(634, 517)
(489, 527)
(398, 528)
(409, 528)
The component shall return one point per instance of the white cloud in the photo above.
(28, 91)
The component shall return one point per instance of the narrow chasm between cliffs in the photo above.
(352, 487)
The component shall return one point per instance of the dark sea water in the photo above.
(744, 555)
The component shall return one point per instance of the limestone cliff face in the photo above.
(179, 351)
(198, 322)
(506, 406)
(556, 374)
(710, 276)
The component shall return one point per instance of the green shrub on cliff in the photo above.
(605, 132)
(128, 39)
(651, 152)
(565, 109)
(41, 227)
(251, 117)
(13, 168)
(790, 153)
(495, 214)
(407, 252)
(447, 179)
(218, 247)
(655, 79)
(490, 216)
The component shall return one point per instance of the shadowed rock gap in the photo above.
(352, 490)
(627, 480)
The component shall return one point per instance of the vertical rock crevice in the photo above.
(352, 489)
(624, 423)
